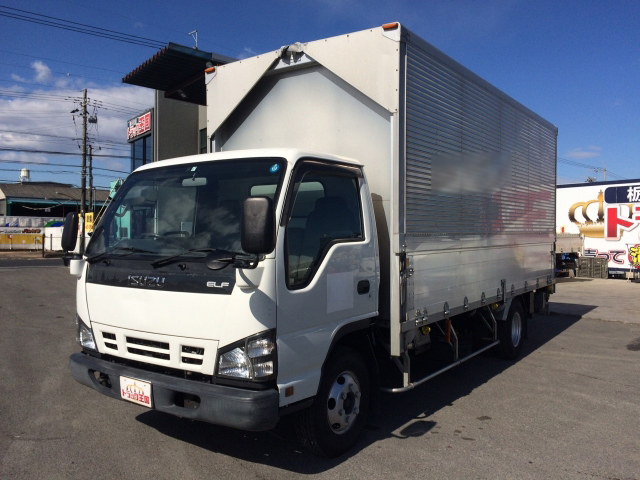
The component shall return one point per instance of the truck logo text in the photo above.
(146, 281)
(217, 285)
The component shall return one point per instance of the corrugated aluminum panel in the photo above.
(457, 131)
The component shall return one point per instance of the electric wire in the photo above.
(25, 150)
(61, 61)
(77, 27)
(67, 165)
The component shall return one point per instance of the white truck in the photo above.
(367, 198)
(605, 216)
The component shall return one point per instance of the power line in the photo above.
(67, 74)
(38, 134)
(574, 163)
(59, 172)
(62, 61)
(106, 187)
(163, 27)
(67, 165)
(77, 27)
(145, 105)
(7, 149)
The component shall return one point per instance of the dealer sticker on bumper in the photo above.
(135, 391)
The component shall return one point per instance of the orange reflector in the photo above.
(390, 26)
(288, 391)
(210, 70)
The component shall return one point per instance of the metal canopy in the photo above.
(178, 71)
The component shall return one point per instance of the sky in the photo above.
(575, 63)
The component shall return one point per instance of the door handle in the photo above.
(363, 287)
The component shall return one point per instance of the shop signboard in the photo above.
(139, 126)
(607, 215)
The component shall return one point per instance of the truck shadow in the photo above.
(398, 416)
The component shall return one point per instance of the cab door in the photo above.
(329, 273)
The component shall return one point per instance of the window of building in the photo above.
(203, 140)
(141, 152)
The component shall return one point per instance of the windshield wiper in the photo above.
(131, 250)
(163, 261)
(213, 262)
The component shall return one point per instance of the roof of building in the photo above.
(47, 191)
(178, 71)
(593, 184)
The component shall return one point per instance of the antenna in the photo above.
(194, 34)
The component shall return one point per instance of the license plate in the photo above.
(135, 391)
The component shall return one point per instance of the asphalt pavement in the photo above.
(568, 408)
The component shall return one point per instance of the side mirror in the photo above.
(258, 225)
(70, 232)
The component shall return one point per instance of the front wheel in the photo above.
(333, 423)
(511, 332)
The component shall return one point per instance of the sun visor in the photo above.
(225, 92)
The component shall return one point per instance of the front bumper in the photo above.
(219, 404)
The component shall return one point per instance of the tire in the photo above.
(332, 425)
(511, 332)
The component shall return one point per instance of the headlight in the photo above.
(253, 358)
(84, 335)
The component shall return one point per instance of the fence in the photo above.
(46, 239)
(31, 222)
(592, 267)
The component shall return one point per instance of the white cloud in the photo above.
(18, 78)
(42, 72)
(51, 117)
(21, 157)
(246, 53)
(581, 153)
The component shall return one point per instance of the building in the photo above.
(603, 218)
(177, 124)
(44, 199)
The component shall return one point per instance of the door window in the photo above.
(325, 210)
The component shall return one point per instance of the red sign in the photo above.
(138, 126)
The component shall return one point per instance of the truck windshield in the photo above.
(186, 207)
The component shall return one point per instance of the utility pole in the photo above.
(84, 169)
(92, 199)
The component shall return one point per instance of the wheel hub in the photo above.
(343, 404)
(516, 329)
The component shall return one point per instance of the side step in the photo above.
(413, 385)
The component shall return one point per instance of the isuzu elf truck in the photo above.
(367, 202)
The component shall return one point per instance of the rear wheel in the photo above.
(333, 423)
(511, 332)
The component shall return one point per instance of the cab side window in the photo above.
(325, 210)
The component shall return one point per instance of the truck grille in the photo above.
(148, 348)
(178, 353)
(110, 336)
(192, 355)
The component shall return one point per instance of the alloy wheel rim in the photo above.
(343, 404)
(516, 329)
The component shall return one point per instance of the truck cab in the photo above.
(174, 298)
